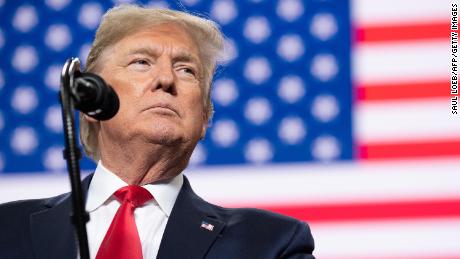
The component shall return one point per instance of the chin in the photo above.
(165, 135)
(165, 140)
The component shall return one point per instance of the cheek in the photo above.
(198, 110)
(128, 90)
(120, 80)
(195, 101)
(196, 93)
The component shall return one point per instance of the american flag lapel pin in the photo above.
(207, 226)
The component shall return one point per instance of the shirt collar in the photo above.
(104, 184)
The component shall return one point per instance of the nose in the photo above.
(165, 78)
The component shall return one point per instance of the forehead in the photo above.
(167, 35)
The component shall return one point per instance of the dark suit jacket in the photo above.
(42, 229)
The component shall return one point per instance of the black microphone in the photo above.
(94, 97)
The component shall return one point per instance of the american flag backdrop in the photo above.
(331, 111)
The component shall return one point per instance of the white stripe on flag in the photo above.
(288, 184)
(323, 184)
(371, 12)
(432, 238)
(405, 121)
(399, 62)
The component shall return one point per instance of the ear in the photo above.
(205, 125)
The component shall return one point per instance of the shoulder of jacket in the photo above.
(32, 204)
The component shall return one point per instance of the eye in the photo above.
(188, 70)
(140, 62)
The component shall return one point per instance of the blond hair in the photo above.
(124, 20)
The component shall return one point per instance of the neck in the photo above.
(144, 163)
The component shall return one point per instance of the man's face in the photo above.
(157, 75)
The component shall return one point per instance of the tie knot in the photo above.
(134, 194)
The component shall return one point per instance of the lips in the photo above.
(165, 107)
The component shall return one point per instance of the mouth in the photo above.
(163, 108)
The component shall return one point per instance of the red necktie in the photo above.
(122, 239)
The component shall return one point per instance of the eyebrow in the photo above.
(179, 54)
(154, 52)
(185, 56)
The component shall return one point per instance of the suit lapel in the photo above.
(191, 229)
(52, 231)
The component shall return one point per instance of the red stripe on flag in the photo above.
(397, 91)
(372, 211)
(434, 30)
(421, 149)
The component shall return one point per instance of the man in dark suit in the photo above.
(160, 63)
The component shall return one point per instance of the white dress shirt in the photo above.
(151, 218)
